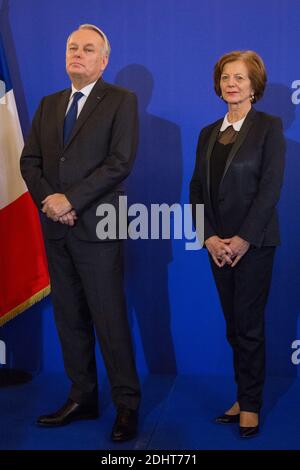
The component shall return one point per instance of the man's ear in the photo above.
(104, 62)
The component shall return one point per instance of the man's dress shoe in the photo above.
(227, 419)
(71, 411)
(125, 426)
(249, 431)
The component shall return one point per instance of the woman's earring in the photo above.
(252, 97)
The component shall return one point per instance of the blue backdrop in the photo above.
(165, 51)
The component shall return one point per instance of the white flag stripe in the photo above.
(12, 185)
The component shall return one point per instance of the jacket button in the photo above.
(62, 159)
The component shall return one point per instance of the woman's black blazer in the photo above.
(250, 186)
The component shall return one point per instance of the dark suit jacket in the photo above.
(251, 182)
(90, 169)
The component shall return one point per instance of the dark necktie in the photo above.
(71, 116)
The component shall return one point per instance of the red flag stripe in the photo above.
(23, 275)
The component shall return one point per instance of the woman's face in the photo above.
(235, 83)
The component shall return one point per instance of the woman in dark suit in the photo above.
(238, 177)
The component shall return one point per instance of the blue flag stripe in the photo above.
(4, 73)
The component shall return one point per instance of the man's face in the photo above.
(85, 59)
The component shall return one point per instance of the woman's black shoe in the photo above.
(249, 431)
(227, 419)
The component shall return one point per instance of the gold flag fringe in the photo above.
(24, 305)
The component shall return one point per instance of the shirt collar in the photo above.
(236, 125)
(85, 90)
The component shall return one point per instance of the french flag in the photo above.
(24, 277)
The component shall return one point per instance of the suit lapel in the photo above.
(94, 98)
(211, 143)
(61, 111)
(239, 140)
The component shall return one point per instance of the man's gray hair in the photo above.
(92, 27)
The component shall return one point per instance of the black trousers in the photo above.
(88, 296)
(243, 291)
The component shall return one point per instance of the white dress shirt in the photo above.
(86, 91)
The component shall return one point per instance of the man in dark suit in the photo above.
(80, 149)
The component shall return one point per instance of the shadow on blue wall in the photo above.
(156, 179)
